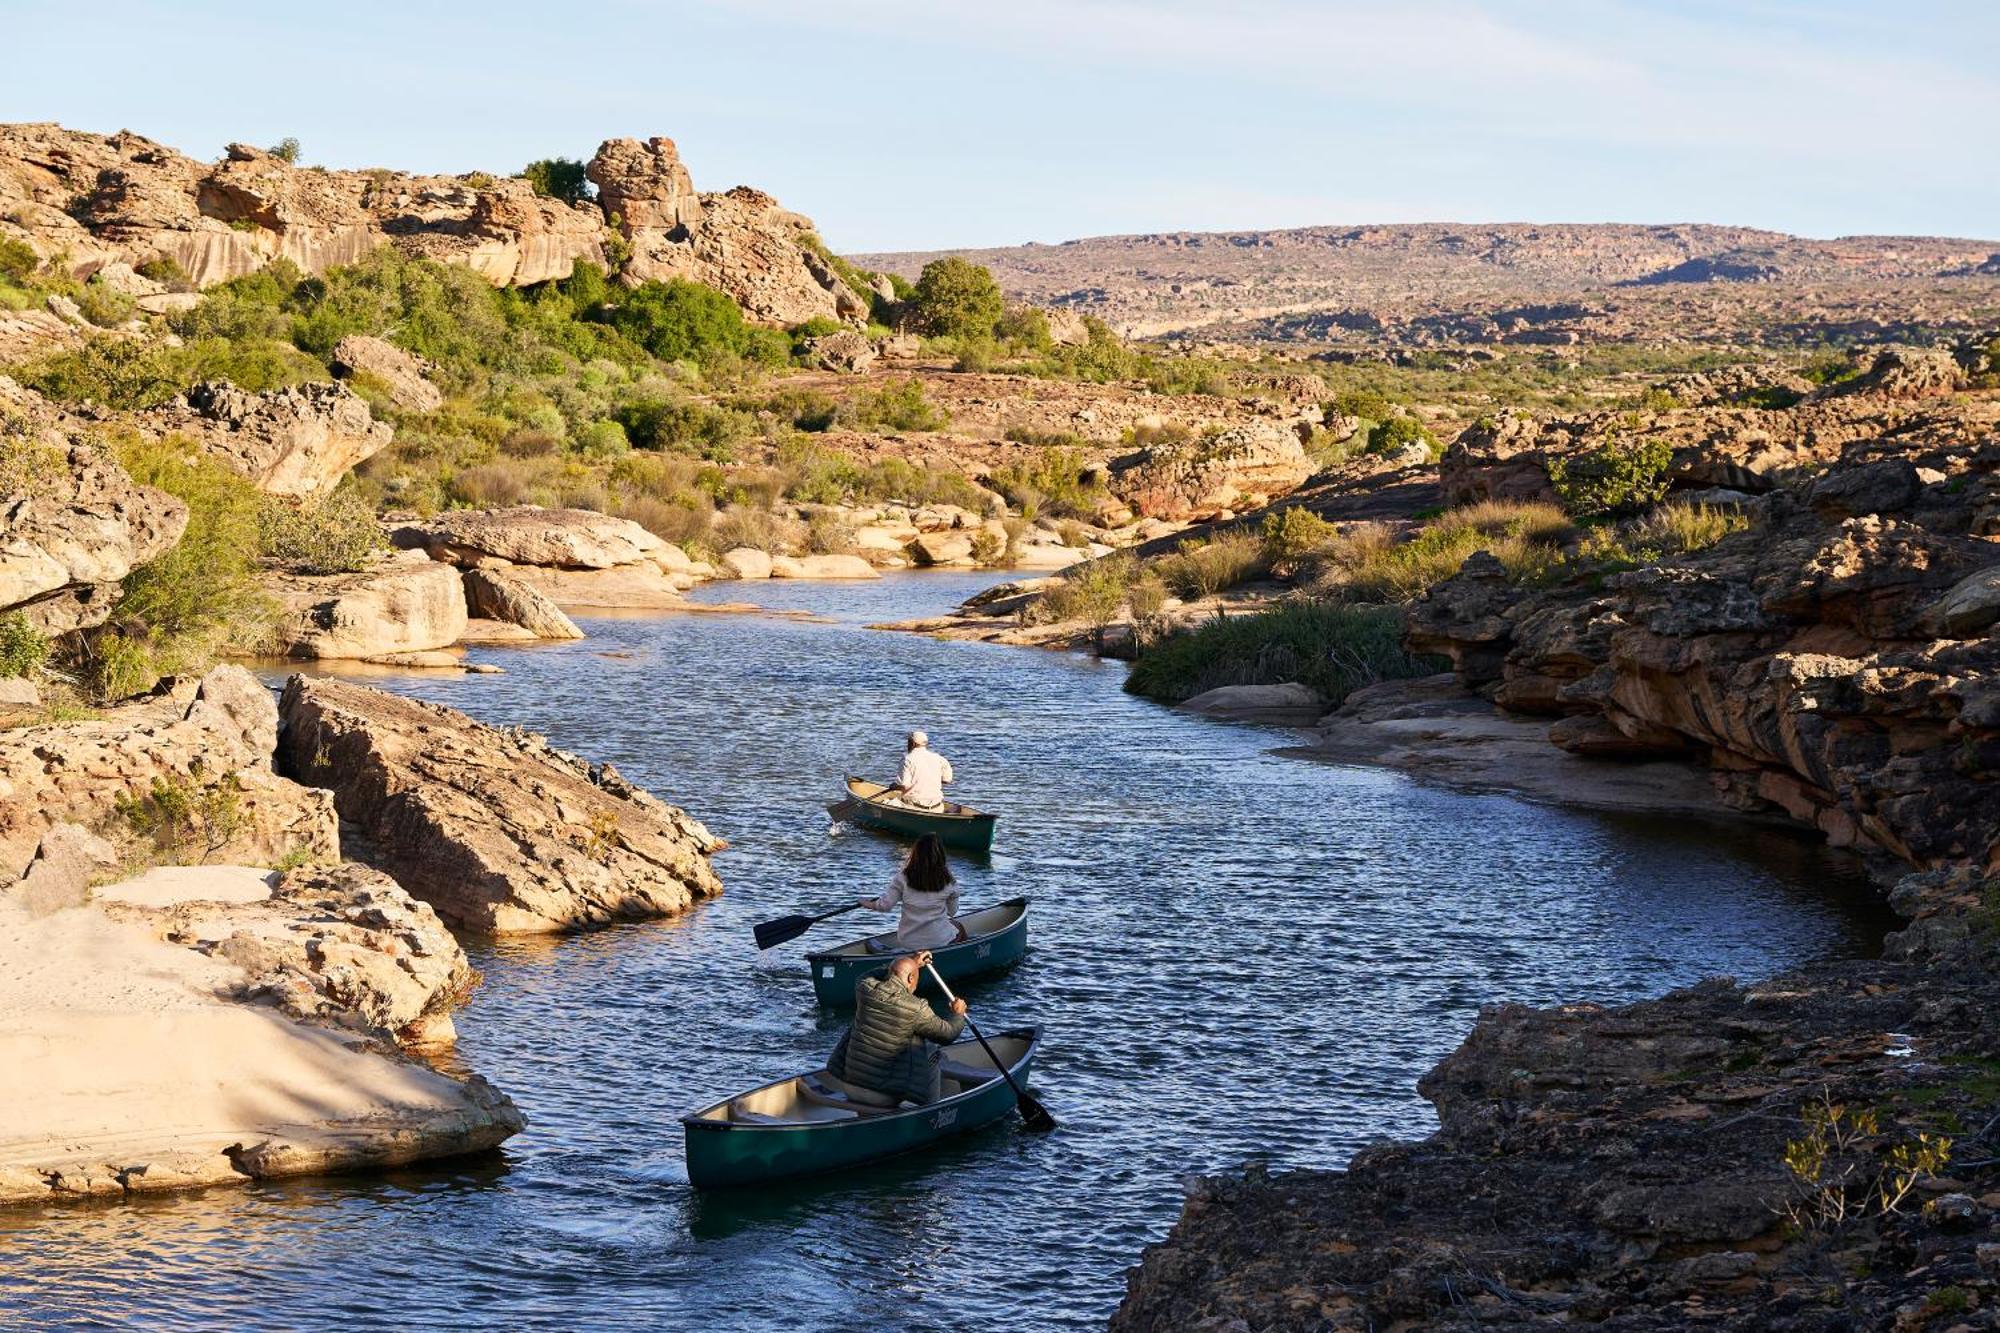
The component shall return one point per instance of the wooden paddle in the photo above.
(1033, 1114)
(841, 809)
(770, 934)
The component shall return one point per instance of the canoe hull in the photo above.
(967, 832)
(724, 1155)
(835, 974)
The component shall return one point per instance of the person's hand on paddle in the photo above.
(923, 959)
(958, 1007)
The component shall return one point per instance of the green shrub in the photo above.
(178, 612)
(1291, 534)
(104, 305)
(23, 649)
(988, 547)
(1092, 592)
(558, 178)
(900, 405)
(336, 535)
(18, 260)
(1025, 330)
(167, 271)
(1389, 436)
(1365, 562)
(803, 409)
(1333, 649)
(976, 355)
(830, 534)
(686, 427)
(285, 150)
(1619, 478)
(1204, 568)
(956, 298)
(187, 816)
(685, 321)
(1057, 482)
(1067, 439)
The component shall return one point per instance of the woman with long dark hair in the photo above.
(928, 895)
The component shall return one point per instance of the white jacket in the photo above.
(924, 774)
(927, 917)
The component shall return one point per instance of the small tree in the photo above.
(1391, 435)
(285, 150)
(1617, 479)
(956, 298)
(558, 178)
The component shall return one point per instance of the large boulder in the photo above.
(746, 562)
(824, 567)
(189, 732)
(398, 372)
(741, 242)
(343, 945)
(531, 535)
(403, 604)
(1288, 705)
(72, 523)
(492, 594)
(1243, 466)
(497, 830)
(296, 441)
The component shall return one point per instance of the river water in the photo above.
(1235, 956)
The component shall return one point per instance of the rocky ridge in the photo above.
(122, 199)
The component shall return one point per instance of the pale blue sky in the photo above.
(905, 124)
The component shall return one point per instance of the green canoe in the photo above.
(995, 939)
(957, 826)
(813, 1123)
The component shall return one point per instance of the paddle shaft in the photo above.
(1021, 1098)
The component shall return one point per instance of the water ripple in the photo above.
(1236, 957)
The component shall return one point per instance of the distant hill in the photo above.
(1492, 282)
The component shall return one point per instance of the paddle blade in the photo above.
(1034, 1115)
(771, 934)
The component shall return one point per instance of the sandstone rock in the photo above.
(745, 562)
(1971, 607)
(396, 606)
(1287, 705)
(73, 525)
(496, 830)
(277, 822)
(1241, 466)
(740, 242)
(398, 371)
(635, 587)
(494, 595)
(189, 731)
(66, 862)
(846, 351)
(825, 567)
(18, 694)
(941, 548)
(530, 535)
(296, 441)
(1905, 373)
(342, 946)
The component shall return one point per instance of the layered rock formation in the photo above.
(575, 557)
(402, 604)
(72, 523)
(497, 830)
(299, 441)
(1240, 467)
(104, 200)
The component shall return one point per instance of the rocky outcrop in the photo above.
(400, 374)
(497, 830)
(492, 594)
(72, 523)
(1240, 467)
(402, 604)
(191, 732)
(575, 557)
(340, 946)
(1721, 442)
(740, 242)
(298, 441)
(100, 201)
(1286, 705)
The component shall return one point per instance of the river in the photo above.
(1235, 956)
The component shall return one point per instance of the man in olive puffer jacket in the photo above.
(888, 1046)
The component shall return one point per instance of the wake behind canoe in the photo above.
(809, 1124)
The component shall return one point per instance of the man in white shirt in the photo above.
(920, 785)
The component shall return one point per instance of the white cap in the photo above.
(918, 738)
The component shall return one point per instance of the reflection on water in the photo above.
(1234, 955)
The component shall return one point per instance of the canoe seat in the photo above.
(825, 1089)
(968, 1075)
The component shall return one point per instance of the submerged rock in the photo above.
(1290, 704)
(497, 830)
